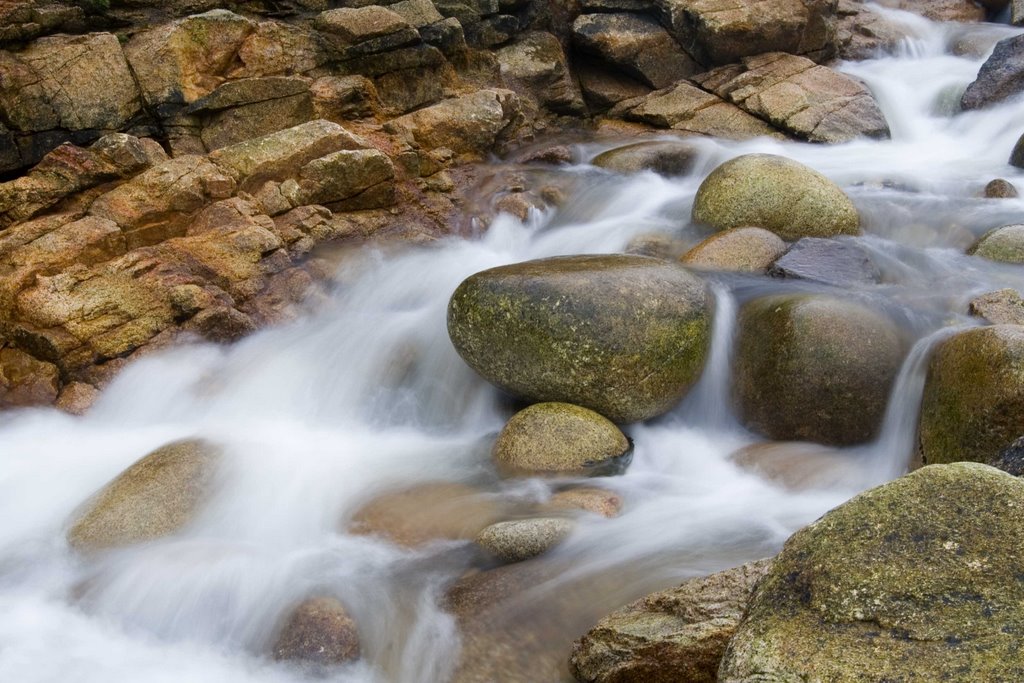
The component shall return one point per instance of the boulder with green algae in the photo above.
(918, 580)
(973, 403)
(156, 496)
(749, 250)
(560, 439)
(814, 368)
(623, 335)
(1005, 243)
(777, 194)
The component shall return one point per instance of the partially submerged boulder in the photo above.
(664, 157)
(1004, 244)
(318, 633)
(749, 250)
(1001, 76)
(523, 539)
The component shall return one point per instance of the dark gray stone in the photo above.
(830, 261)
(1000, 78)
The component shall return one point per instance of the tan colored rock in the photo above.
(587, 499)
(26, 381)
(348, 179)
(799, 465)
(675, 635)
(664, 157)
(750, 250)
(1000, 189)
(523, 539)
(471, 124)
(1004, 244)
(360, 24)
(338, 98)
(863, 33)
(87, 241)
(156, 496)
(278, 49)
(636, 44)
(1002, 307)
(538, 65)
(318, 633)
(77, 397)
(810, 101)
(603, 88)
(427, 512)
(688, 108)
(560, 439)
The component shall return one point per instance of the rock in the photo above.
(156, 496)
(77, 397)
(814, 368)
(337, 98)
(973, 403)
(717, 32)
(471, 124)
(1017, 155)
(749, 250)
(1000, 189)
(274, 48)
(587, 330)
(810, 101)
(560, 439)
(1004, 244)
(587, 499)
(1016, 12)
(354, 32)
(536, 61)
(1000, 78)
(418, 13)
(864, 33)
(688, 108)
(674, 635)
(798, 465)
(840, 262)
(427, 512)
(1002, 307)
(478, 593)
(777, 194)
(25, 381)
(1011, 459)
(523, 539)
(348, 180)
(604, 88)
(664, 157)
(636, 44)
(913, 580)
(962, 11)
(318, 633)
(657, 245)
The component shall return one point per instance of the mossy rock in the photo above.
(814, 368)
(748, 250)
(156, 496)
(918, 580)
(777, 194)
(560, 439)
(973, 404)
(1004, 244)
(623, 335)
(664, 157)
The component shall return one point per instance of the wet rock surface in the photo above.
(830, 261)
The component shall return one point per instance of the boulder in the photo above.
(348, 180)
(809, 101)
(1017, 155)
(470, 124)
(973, 404)
(318, 633)
(274, 48)
(635, 44)
(338, 98)
(719, 32)
(916, 580)
(356, 31)
(798, 465)
(863, 32)
(156, 496)
(603, 88)
(25, 381)
(1004, 244)
(1000, 78)
(840, 262)
(585, 499)
(674, 635)
(749, 250)
(560, 439)
(1002, 307)
(523, 539)
(77, 397)
(664, 157)
(777, 194)
(1000, 189)
(625, 336)
(1011, 459)
(814, 368)
(536, 63)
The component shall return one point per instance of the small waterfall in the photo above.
(709, 403)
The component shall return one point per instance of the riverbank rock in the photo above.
(748, 250)
(319, 633)
(635, 44)
(537, 65)
(814, 368)
(560, 439)
(809, 101)
(470, 124)
(863, 33)
(625, 336)
(664, 157)
(973, 404)
(522, 539)
(840, 262)
(1002, 307)
(916, 580)
(1005, 244)
(775, 193)
(156, 496)
(1000, 78)
(675, 635)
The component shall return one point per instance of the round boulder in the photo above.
(1000, 189)
(664, 157)
(777, 194)
(156, 496)
(523, 539)
(318, 633)
(814, 368)
(916, 580)
(973, 403)
(560, 439)
(623, 335)
(1005, 244)
(749, 250)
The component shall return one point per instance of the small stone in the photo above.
(523, 539)
(319, 633)
(749, 250)
(1000, 189)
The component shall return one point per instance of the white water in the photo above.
(368, 395)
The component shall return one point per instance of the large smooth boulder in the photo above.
(916, 580)
(814, 368)
(1000, 78)
(560, 439)
(775, 193)
(973, 403)
(1005, 244)
(318, 633)
(156, 496)
(625, 336)
(674, 635)
(749, 250)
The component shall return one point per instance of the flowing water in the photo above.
(367, 395)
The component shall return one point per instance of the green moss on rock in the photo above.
(1004, 244)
